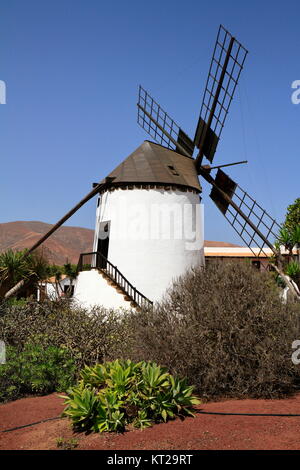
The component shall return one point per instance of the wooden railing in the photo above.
(96, 260)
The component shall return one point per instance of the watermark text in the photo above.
(296, 94)
(2, 92)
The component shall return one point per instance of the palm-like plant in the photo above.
(285, 238)
(12, 269)
(16, 267)
(37, 266)
(70, 270)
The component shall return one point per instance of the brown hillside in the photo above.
(65, 244)
(208, 243)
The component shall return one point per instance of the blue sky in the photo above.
(72, 69)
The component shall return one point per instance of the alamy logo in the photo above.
(296, 354)
(2, 92)
(2, 353)
(296, 94)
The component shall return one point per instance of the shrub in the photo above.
(112, 395)
(35, 370)
(293, 270)
(88, 336)
(225, 329)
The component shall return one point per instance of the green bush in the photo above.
(35, 370)
(112, 395)
(225, 329)
(293, 270)
(90, 337)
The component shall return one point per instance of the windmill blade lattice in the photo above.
(160, 126)
(252, 223)
(224, 72)
(262, 220)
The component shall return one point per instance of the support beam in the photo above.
(208, 167)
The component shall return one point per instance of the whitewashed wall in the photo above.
(155, 235)
(91, 289)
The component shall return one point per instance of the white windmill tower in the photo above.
(149, 228)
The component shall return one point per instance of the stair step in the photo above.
(117, 287)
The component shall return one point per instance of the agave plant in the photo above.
(112, 395)
(293, 270)
(155, 377)
(183, 395)
(94, 376)
(83, 408)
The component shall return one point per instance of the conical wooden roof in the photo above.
(151, 163)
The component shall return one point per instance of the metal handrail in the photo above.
(99, 261)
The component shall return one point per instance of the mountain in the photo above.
(211, 244)
(64, 245)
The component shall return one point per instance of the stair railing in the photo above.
(95, 260)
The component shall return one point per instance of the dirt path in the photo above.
(202, 432)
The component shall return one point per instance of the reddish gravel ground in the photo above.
(207, 432)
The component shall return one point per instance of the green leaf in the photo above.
(164, 415)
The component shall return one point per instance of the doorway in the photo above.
(103, 244)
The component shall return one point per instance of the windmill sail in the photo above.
(252, 223)
(161, 127)
(224, 72)
(226, 65)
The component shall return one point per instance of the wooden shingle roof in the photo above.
(151, 163)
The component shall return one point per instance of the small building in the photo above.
(54, 289)
(226, 251)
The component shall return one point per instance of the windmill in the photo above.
(122, 269)
(252, 223)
